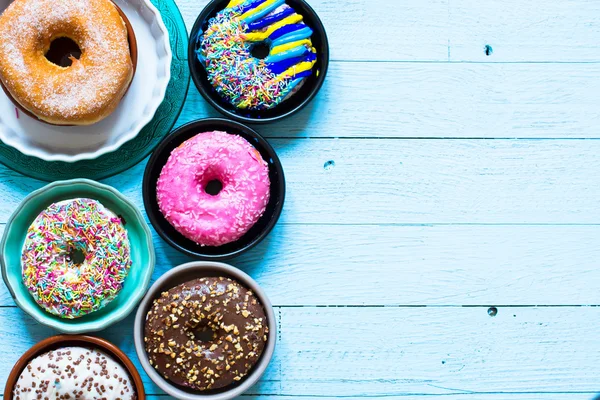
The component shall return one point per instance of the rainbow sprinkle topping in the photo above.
(60, 283)
(247, 82)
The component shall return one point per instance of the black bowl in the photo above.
(296, 102)
(260, 229)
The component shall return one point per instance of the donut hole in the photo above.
(213, 187)
(62, 50)
(260, 50)
(204, 334)
(76, 255)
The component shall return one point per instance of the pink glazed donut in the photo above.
(213, 220)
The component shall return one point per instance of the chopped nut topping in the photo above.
(230, 313)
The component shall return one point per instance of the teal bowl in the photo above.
(142, 254)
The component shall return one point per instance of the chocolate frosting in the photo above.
(229, 312)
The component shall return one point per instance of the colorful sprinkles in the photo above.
(61, 284)
(225, 51)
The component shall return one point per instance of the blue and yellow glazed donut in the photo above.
(247, 82)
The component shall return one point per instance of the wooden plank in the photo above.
(438, 351)
(482, 396)
(443, 100)
(439, 30)
(373, 30)
(475, 396)
(441, 181)
(415, 182)
(411, 265)
(519, 31)
(402, 351)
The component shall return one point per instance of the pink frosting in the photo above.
(223, 218)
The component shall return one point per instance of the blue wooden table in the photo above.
(441, 234)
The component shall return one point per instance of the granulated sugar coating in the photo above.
(89, 89)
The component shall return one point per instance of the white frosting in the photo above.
(76, 372)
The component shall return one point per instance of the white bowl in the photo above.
(137, 108)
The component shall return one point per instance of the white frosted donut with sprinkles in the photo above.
(75, 258)
(219, 218)
(74, 373)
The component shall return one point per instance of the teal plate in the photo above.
(140, 239)
(138, 148)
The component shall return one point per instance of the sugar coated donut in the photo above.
(75, 257)
(213, 220)
(74, 373)
(234, 319)
(226, 49)
(83, 93)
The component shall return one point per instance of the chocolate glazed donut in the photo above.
(233, 314)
